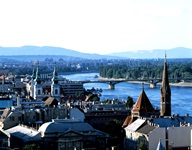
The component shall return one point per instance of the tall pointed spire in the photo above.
(33, 76)
(55, 76)
(55, 87)
(38, 78)
(165, 109)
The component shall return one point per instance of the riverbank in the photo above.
(182, 84)
(76, 72)
(185, 84)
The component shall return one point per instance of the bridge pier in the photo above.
(111, 86)
(153, 83)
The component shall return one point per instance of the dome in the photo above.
(65, 125)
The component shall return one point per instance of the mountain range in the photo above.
(179, 52)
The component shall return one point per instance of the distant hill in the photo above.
(48, 50)
(179, 52)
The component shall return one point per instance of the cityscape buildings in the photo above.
(49, 113)
(148, 126)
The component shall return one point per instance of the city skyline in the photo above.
(97, 26)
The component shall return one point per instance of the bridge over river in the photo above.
(152, 82)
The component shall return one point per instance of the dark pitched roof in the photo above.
(143, 104)
(146, 129)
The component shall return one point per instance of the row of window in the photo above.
(39, 92)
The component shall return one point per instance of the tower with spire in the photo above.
(165, 93)
(33, 76)
(55, 87)
(38, 90)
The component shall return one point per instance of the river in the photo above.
(181, 97)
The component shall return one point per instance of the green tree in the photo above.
(110, 73)
(115, 130)
(129, 103)
(31, 147)
(142, 146)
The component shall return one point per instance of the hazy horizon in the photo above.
(92, 52)
(100, 27)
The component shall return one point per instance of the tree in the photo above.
(129, 103)
(142, 146)
(110, 73)
(114, 128)
(31, 147)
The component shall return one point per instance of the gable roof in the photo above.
(143, 104)
(69, 133)
(135, 125)
(51, 101)
(146, 129)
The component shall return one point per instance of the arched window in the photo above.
(56, 91)
(46, 92)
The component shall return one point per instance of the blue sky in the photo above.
(97, 26)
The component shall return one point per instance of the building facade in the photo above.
(39, 88)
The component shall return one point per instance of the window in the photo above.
(38, 92)
(56, 91)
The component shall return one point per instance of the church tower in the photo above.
(33, 76)
(165, 103)
(55, 87)
(38, 90)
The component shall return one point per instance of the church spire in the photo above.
(33, 76)
(38, 78)
(55, 76)
(165, 93)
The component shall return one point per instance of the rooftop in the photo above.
(63, 125)
(24, 133)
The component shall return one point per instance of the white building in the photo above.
(174, 133)
(39, 88)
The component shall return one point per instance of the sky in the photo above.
(97, 26)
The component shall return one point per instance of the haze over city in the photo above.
(97, 26)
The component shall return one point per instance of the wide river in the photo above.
(181, 97)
